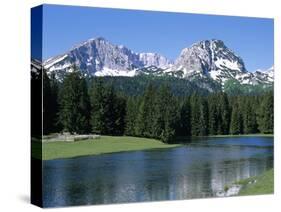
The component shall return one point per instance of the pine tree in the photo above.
(74, 104)
(54, 115)
(131, 116)
(195, 115)
(266, 114)
(166, 115)
(99, 108)
(84, 108)
(120, 114)
(224, 112)
(146, 114)
(203, 119)
(183, 125)
(47, 104)
(236, 124)
(249, 118)
(108, 110)
(213, 116)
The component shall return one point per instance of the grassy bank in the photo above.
(105, 144)
(262, 184)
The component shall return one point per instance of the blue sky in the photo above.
(162, 32)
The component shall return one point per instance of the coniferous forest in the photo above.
(162, 109)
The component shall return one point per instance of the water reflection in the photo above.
(191, 171)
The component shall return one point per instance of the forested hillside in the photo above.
(156, 107)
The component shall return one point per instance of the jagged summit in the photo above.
(209, 58)
(206, 59)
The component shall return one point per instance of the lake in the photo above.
(198, 169)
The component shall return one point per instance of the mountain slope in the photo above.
(210, 58)
(204, 61)
(98, 57)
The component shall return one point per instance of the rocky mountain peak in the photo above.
(210, 58)
(206, 59)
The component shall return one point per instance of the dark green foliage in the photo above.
(224, 113)
(195, 104)
(120, 114)
(219, 113)
(213, 116)
(199, 116)
(234, 88)
(203, 120)
(136, 86)
(166, 116)
(249, 117)
(151, 107)
(74, 104)
(108, 110)
(146, 113)
(183, 124)
(47, 112)
(50, 104)
(266, 114)
(236, 124)
(131, 116)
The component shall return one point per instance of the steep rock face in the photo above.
(154, 59)
(204, 61)
(266, 76)
(99, 57)
(209, 58)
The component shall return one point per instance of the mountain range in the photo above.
(204, 60)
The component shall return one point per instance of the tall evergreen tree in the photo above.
(236, 124)
(249, 118)
(164, 124)
(56, 126)
(108, 110)
(266, 114)
(47, 104)
(74, 104)
(195, 115)
(145, 118)
(120, 114)
(131, 116)
(183, 125)
(213, 116)
(224, 112)
(99, 107)
(203, 119)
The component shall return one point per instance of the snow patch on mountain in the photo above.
(111, 72)
(207, 59)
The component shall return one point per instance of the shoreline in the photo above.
(256, 185)
(240, 135)
(103, 145)
(107, 144)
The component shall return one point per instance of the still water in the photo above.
(196, 170)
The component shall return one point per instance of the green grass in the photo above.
(105, 144)
(264, 184)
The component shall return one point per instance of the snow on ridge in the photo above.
(61, 67)
(228, 64)
(208, 58)
(111, 72)
(50, 62)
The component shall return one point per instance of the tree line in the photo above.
(77, 106)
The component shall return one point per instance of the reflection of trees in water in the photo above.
(227, 172)
(180, 173)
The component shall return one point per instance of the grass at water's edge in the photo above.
(104, 144)
(262, 184)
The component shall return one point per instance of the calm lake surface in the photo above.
(196, 170)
